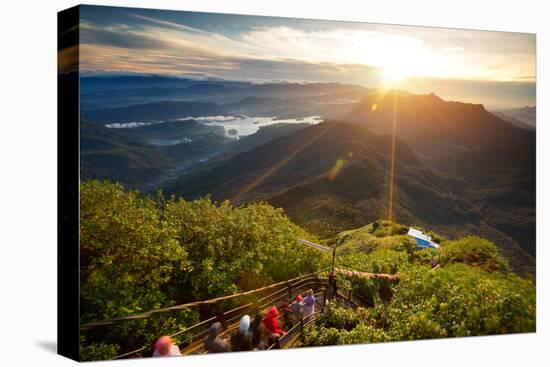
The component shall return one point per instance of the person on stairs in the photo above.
(165, 348)
(258, 331)
(309, 303)
(271, 324)
(287, 316)
(213, 343)
(297, 308)
(241, 339)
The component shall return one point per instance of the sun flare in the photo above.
(395, 74)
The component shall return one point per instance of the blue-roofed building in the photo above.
(422, 240)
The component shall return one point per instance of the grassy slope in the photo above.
(471, 292)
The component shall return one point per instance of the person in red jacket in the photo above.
(272, 325)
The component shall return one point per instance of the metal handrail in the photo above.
(263, 307)
(282, 290)
(299, 283)
(146, 314)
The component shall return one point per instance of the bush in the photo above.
(460, 300)
(342, 326)
(361, 334)
(364, 334)
(97, 351)
(474, 251)
(425, 256)
(238, 248)
(338, 317)
(383, 228)
(382, 260)
(128, 252)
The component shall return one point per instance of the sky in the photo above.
(494, 68)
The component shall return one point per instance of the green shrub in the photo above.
(425, 256)
(360, 334)
(338, 317)
(460, 300)
(128, 252)
(98, 351)
(383, 228)
(474, 251)
(238, 248)
(364, 334)
(382, 260)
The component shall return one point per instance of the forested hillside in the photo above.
(144, 252)
(139, 253)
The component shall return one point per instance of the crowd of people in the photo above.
(256, 334)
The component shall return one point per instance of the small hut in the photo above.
(422, 240)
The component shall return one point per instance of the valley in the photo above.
(323, 153)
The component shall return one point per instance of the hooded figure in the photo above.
(241, 339)
(258, 332)
(297, 308)
(309, 303)
(213, 343)
(165, 348)
(271, 323)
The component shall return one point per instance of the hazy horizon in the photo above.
(496, 69)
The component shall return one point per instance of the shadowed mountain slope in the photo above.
(335, 176)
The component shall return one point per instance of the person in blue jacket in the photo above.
(309, 304)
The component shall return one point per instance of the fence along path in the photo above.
(252, 301)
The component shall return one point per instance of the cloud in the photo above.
(452, 49)
(120, 36)
(335, 45)
(286, 51)
(299, 70)
(169, 24)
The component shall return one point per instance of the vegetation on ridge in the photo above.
(472, 292)
(141, 252)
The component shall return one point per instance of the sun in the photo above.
(394, 77)
(403, 61)
(395, 73)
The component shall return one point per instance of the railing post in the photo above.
(333, 260)
(302, 327)
(289, 291)
(333, 288)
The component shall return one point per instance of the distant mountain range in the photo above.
(155, 111)
(326, 105)
(121, 91)
(432, 126)
(525, 117)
